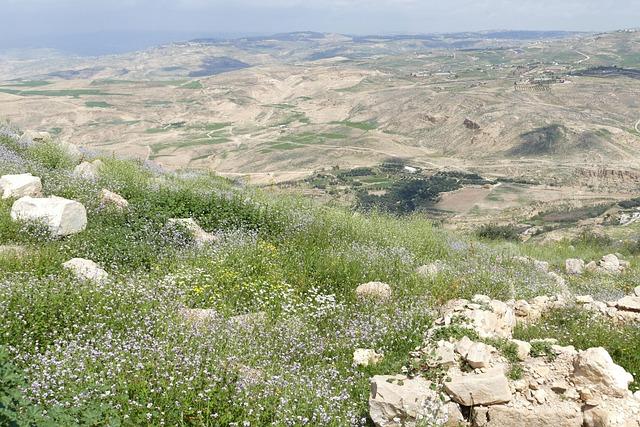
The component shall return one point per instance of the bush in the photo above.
(50, 155)
(498, 232)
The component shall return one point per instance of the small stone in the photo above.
(574, 266)
(539, 395)
(584, 299)
(479, 355)
(366, 357)
(375, 290)
(109, 198)
(636, 291)
(88, 170)
(541, 265)
(596, 368)
(610, 264)
(558, 349)
(399, 400)
(85, 269)
(520, 385)
(524, 348)
(444, 354)
(463, 345)
(591, 267)
(188, 228)
(560, 387)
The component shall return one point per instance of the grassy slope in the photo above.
(119, 354)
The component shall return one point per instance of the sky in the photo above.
(119, 25)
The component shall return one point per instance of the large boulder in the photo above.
(560, 414)
(109, 198)
(20, 185)
(595, 368)
(188, 229)
(399, 401)
(86, 270)
(61, 216)
(488, 388)
(374, 290)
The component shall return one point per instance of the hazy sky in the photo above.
(51, 22)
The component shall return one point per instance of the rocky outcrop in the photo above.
(61, 216)
(488, 317)
(625, 309)
(608, 264)
(374, 290)
(14, 186)
(86, 270)
(571, 389)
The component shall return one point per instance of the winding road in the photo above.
(586, 57)
(637, 126)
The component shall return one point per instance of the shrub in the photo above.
(50, 155)
(498, 232)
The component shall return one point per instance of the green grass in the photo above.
(156, 103)
(365, 126)
(97, 104)
(121, 353)
(192, 85)
(74, 93)
(28, 83)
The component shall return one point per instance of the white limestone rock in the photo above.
(366, 357)
(479, 355)
(14, 186)
(61, 216)
(190, 229)
(109, 198)
(594, 367)
(86, 270)
(574, 266)
(488, 388)
(399, 401)
(374, 290)
(88, 170)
